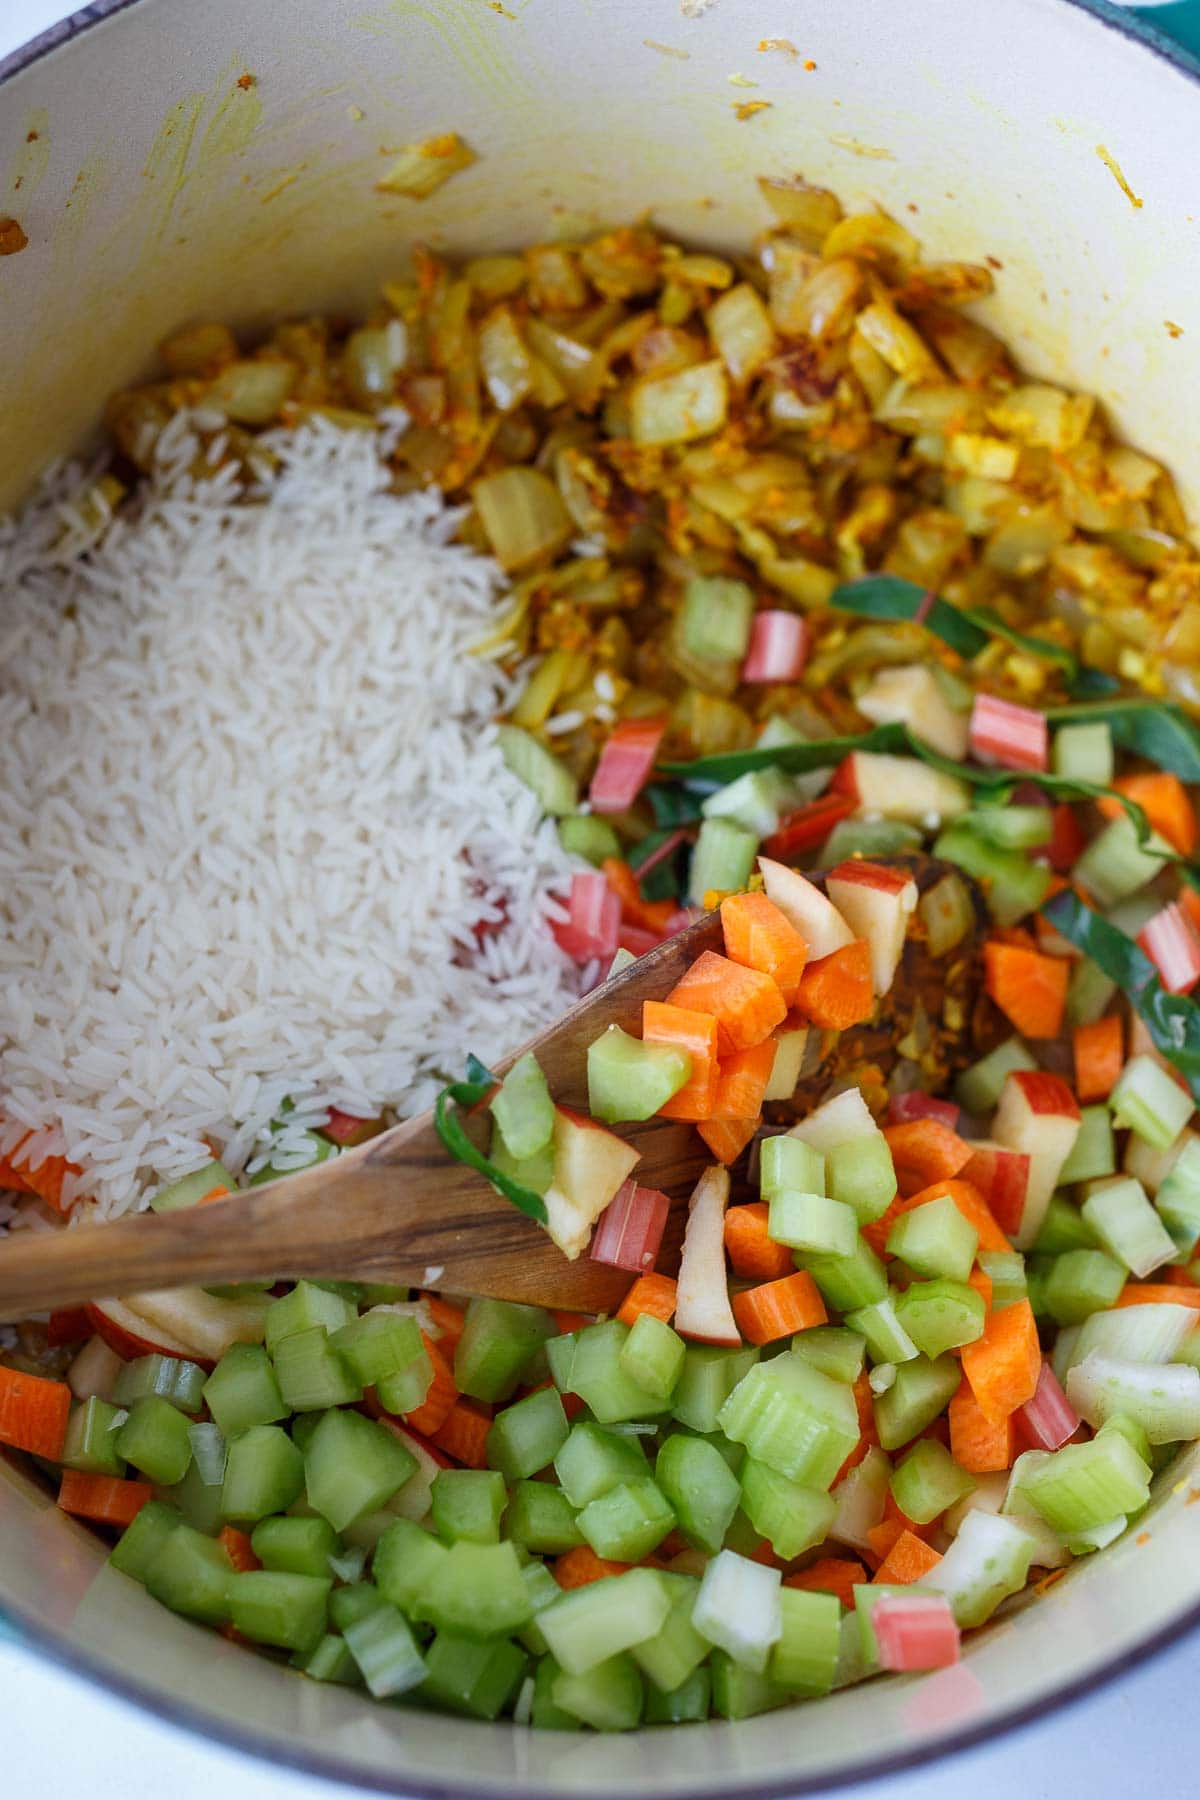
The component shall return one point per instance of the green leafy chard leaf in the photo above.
(472, 1092)
(1172, 1019)
(891, 597)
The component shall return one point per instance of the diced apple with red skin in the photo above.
(790, 1044)
(348, 1130)
(702, 1308)
(804, 906)
(841, 1120)
(184, 1322)
(590, 1163)
(876, 903)
(1038, 1114)
(900, 787)
(1002, 1177)
(911, 696)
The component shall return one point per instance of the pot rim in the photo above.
(1137, 28)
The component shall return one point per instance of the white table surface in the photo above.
(63, 1736)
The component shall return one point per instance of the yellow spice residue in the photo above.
(856, 147)
(1173, 330)
(746, 109)
(667, 50)
(785, 47)
(1118, 174)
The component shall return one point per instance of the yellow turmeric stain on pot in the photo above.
(29, 162)
(1118, 174)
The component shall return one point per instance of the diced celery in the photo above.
(1114, 865)
(349, 1604)
(1005, 1269)
(385, 1650)
(294, 1546)
(935, 1239)
(311, 1374)
(927, 1481)
(549, 778)
(353, 1466)
(1084, 752)
(242, 1390)
(722, 859)
(541, 1518)
(141, 1541)
(209, 1453)
(1128, 1226)
(378, 1344)
(886, 1338)
(592, 1460)
(1137, 1334)
(264, 1473)
(1081, 1282)
(1083, 1485)
(811, 1223)
(862, 1175)
(406, 1558)
(191, 1573)
(805, 1658)
(709, 1376)
(543, 1591)
(860, 1498)
(937, 1316)
(527, 1436)
(787, 1165)
(1010, 827)
(608, 1696)
(739, 1692)
(545, 1715)
(287, 1610)
(1063, 1228)
(472, 1678)
(477, 1589)
(792, 1517)
(871, 838)
(738, 1609)
(467, 1504)
(1121, 1425)
(675, 1652)
(629, 1079)
(330, 1660)
(189, 1190)
(794, 1419)
(536, 1172)
(978, 1088)
(652, 1355)
(405, 1389)
(306, 1306)
(599, 1378)
(1147, 1100)
(589, 836)
(590, 1624)
(1178, 1199)
(701, 1488)
(523, 1109)
(687, 1704)
(919, 1393)
(754, 801)
(499, 1337)
(1093, 1153)
(198, 1501)
(848, 1282)
(1089, 992)
(627, 1522)
(717, 616)
(836, 1350)
(988, 1561)
(1164, 1399)
(169, 1377)
(1014, 885)
(154, 1438)
(91, 1440)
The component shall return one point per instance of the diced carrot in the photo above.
(1099, 1057)
(434, 1409)
(1152, 1293)
(695, 1032)
(1003, 1365)
(46, 1181)
(836, 991)
(239, 1549)
(908, 1560)
(762, 937)
(33, 1413)
(463, 1434)
(1189, 899)
(868, 1436)
(742, 1081)
(876, 1233)
(653, 1293)
(1018, 937)
(571, 1321)
(838, 1575)
(1029, 988)
(105, 1498)
(1166, 804)
(448, 1318)
(976, 1443)
(970, 1203)
(651, 915)
(777, 1309)
(1179, 1276)
(580, 1566)
(14, 1178)
(746, 1004)
(923, 1151)
(727, 1138)
(982, 1284)
(752, 1252)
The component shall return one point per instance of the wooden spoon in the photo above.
(400, 1209)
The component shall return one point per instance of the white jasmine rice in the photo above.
(253, 816)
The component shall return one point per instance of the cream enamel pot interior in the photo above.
(154, 189)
